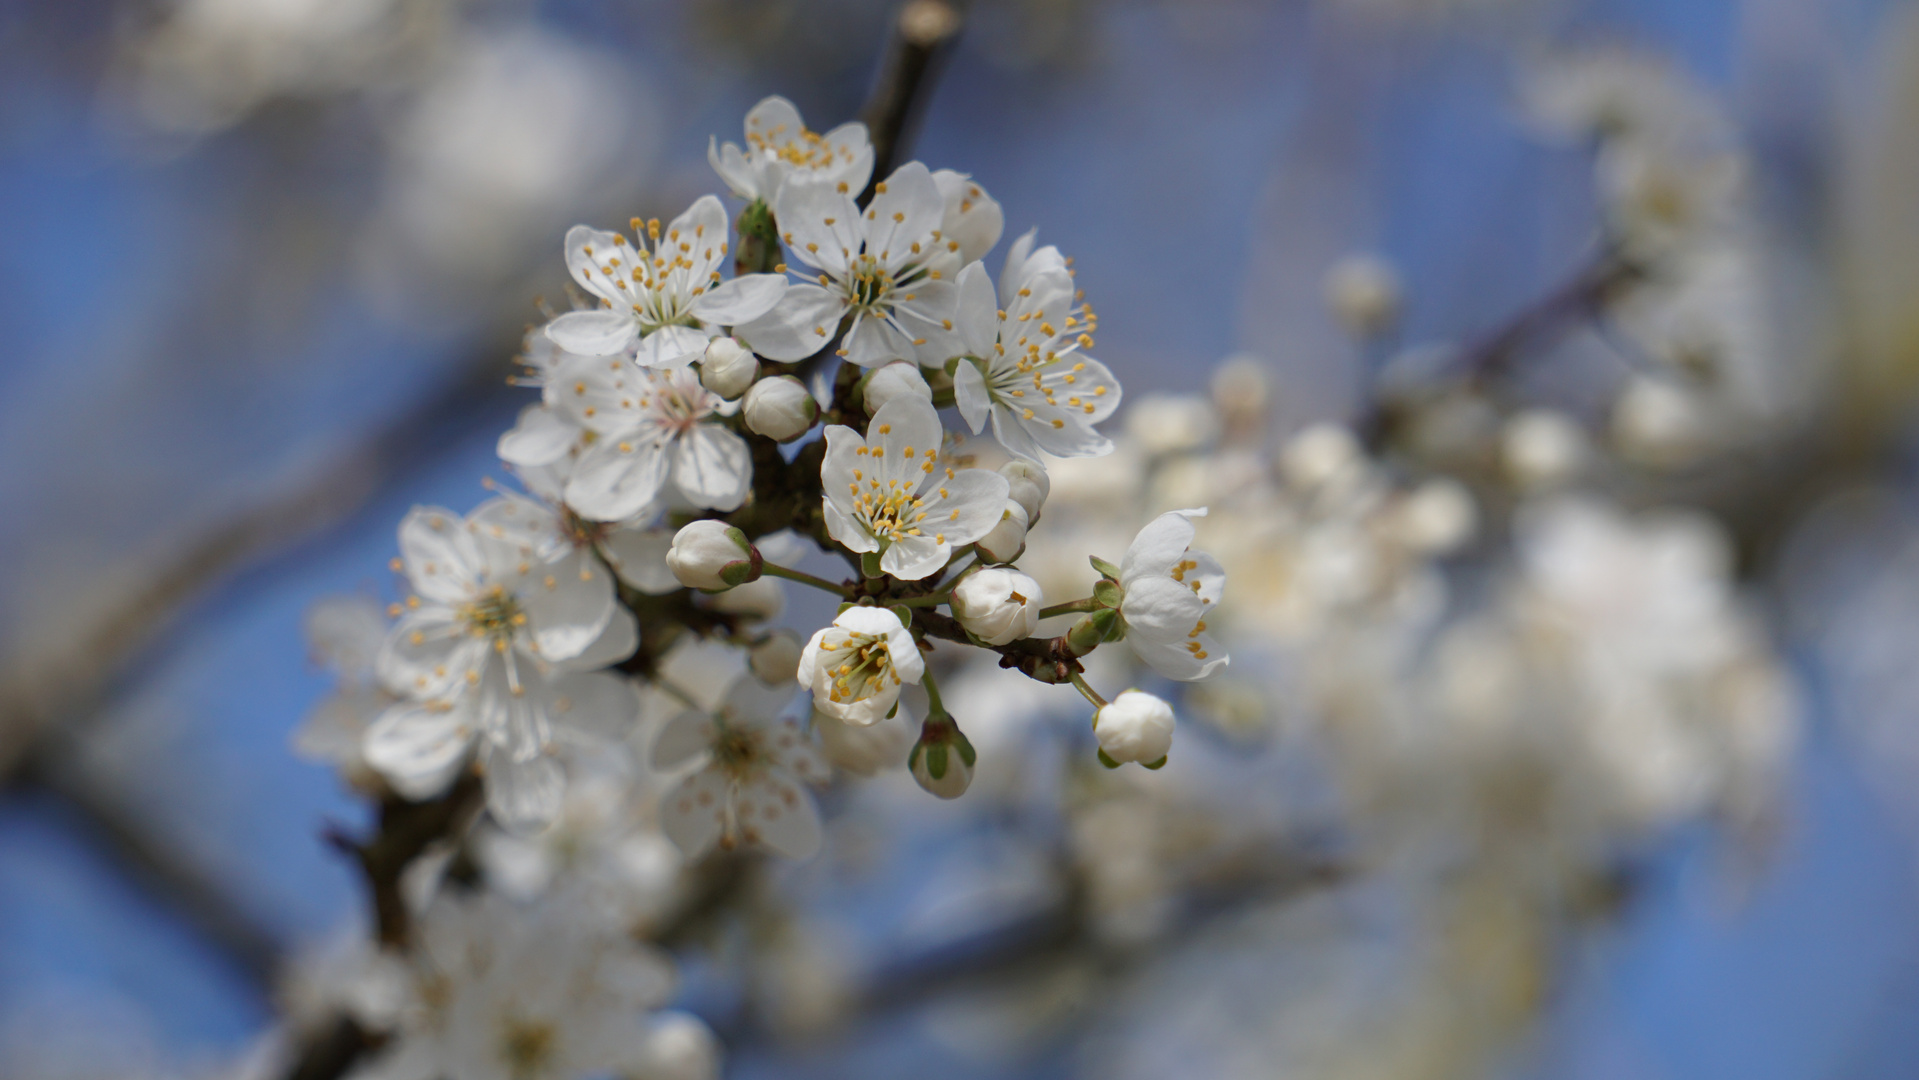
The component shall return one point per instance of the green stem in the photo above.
(672, 689)
(1092, 695)
(934, 706)
(804, 578)
(1086, 604)
(935, 600)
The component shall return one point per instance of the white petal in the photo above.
(427, 654)
(969, 393)
(616, 479)
(567, 603)
(971, 217)
(1071, 437)
(775, 812)
(908, 211)
(684, 738)
(915, 557)
(525, 527)
(976, 496)
(639, 557)
(774, 119)
(820, 224)
(740, 300)
(713, 467)
(872, 342)
(615, 643)
(523, 796)
(671, 347)
(732, 167)
(541, 437)
(801, 324)
(597, 704)
(419, 749)
(440, 558)
(1013, 269)
(907, 661)
(693, 815)
(853, 156)
(841, 526)
(704, 231)
(1159, 546)
(1012, 434)
(593, 333)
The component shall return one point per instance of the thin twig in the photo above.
(923, 34)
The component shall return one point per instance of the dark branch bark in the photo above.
(923, 34)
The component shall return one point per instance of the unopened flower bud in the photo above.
(1028, 485)
(712, 555)
(728, 367)
(1007, 539)
(1135, 726)
(942, 761)
(998, 606)
(780, 408)
(678, 1046)
(1320, 454)
(1363, 293)
(1093, 629)
(1436, 517)
(901, 377)
(865, 749)
(1172, 423)
(776, 659)
(1542, 448)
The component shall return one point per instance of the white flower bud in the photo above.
(865, 749)
(728, 367)
(1135, 726)
(1363, 293)
(1007, 539)
(712, 555)
(942, 761)
(1542, 448)
(1659, 424)
(1319, 455)
(894, 379)
(998, 606)
(776, 660)
(1028, 486)
(780, 408)
(679, 1046)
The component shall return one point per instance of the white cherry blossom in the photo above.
(892, 494)
(973, 219)
(856, 666)
(662, 299)
(1169, 588)
(886, 268)
(1023, 360)
(497, 648)
(778, 145)
(648, 428)
(751, 786)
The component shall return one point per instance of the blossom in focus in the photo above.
(973, 219)
(662, 298)
(856, 666)
(1023, 360)
(712, 555)
(1169, 589)
(780, 408)
(1135, 726)
(650, 427)
(998, 606)
(778, 145)
(750, 787)
(886, 268)
(892, 495)
(495, 649)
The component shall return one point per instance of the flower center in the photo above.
(496, 614)
(890, 513)
(865, 672)
(736, 751)
(807, 150)
(525, 1044)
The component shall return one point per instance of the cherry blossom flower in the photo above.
(892, 494)
(546, 528)
(778, 145)
(856, 666)
(1023, 360)
(1168, 591)
(496, 648)
(751, 786)
(642, 428)
(662, 298)
(887, 268)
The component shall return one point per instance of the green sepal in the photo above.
(1108, 593)
(913, 757)
(936, 761)
(1160, 764)
(965, 747)
(904, 613)
(894, 711)
(1092, 628)
(844, 608)
(1106, 759)
(870, 564)
(1105, 568)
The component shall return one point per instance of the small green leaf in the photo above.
(1105, 568)
(1108, 593)
(1160, 764)
(1106, 759)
